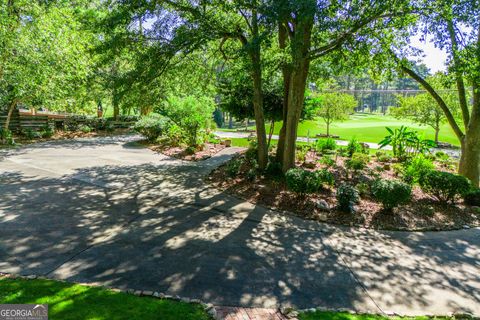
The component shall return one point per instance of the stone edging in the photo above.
(288, 312)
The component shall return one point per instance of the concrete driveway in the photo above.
(107, 211)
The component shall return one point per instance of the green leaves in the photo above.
(405, 142)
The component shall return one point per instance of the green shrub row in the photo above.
(304, 181)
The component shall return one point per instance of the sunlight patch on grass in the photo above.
(72, 301)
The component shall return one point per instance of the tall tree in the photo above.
(309, 30)
(43, 54)
(455, 27)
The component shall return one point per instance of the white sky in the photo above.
(434, 58)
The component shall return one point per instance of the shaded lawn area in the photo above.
(347, 316)
(73, 301)
(365, 128)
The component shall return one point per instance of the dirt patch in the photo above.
(203, 153)
(422, 213)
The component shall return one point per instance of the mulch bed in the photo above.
(206, 152)
(422, 213)
(65, 135)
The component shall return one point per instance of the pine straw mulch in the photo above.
(421, 214)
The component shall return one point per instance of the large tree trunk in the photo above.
(300, 46)
(296, 97)
(286, 73)
(116, 109)
(258, 95)
(470, 159)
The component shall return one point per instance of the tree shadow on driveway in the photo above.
(158, 227)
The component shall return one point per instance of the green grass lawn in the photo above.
(366, 128)
(71, 301)
(347, 316)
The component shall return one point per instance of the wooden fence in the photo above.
(22, 120)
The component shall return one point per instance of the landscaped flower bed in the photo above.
(352, 187)
(203, 152)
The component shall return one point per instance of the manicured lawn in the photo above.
(347, 316)
(71, 301)
(367, 128)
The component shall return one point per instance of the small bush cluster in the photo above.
(274, 168)
(445, 186)
(233, 167)
(152, 127)
(6, 137)
(347, 197)
(391, 193)
(328, 144)
(416, 168)
(354, 147)
(304, 181)
(327, 161)
(358, 161)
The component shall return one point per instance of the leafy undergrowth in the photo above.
(347, 316)
(423, 212)
(72, 301)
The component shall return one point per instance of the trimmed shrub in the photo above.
(85, 129)
(383, 157)
(347, 197)
(472, 198)
(233, 167)
(151, 127)
(274, 169)
(30, 134)
(6, 137)
(391, 193)
(416, 168)
(305, 181)
(47, 132)
(252, 151)
(363, 189)
(327, 161)
(325, 144)
(444, 186)
(353, 147)
(358, 161)
(301, 154)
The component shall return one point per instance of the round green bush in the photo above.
(304, 181)
(391, 193)
(325, 144)
(233, 167)
(151, 127)
(472, 198)
(445, 186)
(416, 168)
(347, 197)
(358, 161)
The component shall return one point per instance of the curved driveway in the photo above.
(106, 211)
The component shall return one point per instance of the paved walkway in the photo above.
(107, 211)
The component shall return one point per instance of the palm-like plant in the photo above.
(405, 141)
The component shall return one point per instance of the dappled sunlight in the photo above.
(157, 226)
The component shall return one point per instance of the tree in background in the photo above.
(44, 60)
(333, 107)
(308, 31)
(421, 109)
(193, 115)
